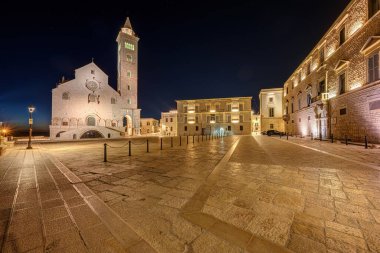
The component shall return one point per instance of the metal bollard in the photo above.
(180, 140)
(345, 137)
(105, 152)
(366, 142)
(161, 143)
(129, 148)
(171, 141)
(332, 138)
(147, 145)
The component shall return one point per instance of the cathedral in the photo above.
(88, 107)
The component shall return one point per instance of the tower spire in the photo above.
(128, 24)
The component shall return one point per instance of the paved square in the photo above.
(237, 194)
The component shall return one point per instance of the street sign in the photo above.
(30, 121)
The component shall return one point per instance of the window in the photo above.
(343, 111)
(241, 118)
(196, 128)
(148, 123)
(185, 119)
(113, 101)
(271, 126)
(208, 108)
(65, 123)
(167, 120)
(342, 36)
(208, 119)
(171, 119)
(308, 68)
(91, 98)
(241, 107)
(300, 76)
(197, 108)
(308, 99)
(373, 68)
(322, 87)
(171, 128)
(299, 103)
(113, 124)
(271, 100)
(287, 89)
(217, 107)
(373, 7)
(129, 74)
(185, 128)
(229, 128)
(241, 128)
(228, 118)
(321, 55)
(292, 106)
(196, 119)
(65, 96)
(185, 108)
(129, 101)
(271, 112)
(90, 121)
(129, 58)
(342, 83)
(92, 71)
(129, 46)
(229, 107)
(129, 87)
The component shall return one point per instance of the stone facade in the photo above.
(169, 123)
(256, 126)
(271, 109)
(88, 107)
(149, 126)
(336, 89)
(215, 116)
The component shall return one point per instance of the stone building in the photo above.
(336, 89)
(214, 116)
(88, 107)
(271, 101)
(256, 126)
(149, 126)
(169, 123)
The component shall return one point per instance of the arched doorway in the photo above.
(59, 134)
(91, 121)
(91, 134)
(127, 124)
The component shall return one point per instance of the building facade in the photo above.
(271, 101)
(256, 126)
(88, 107)
(336, 89)
(149, 126)
(215, 116)
(169, 123)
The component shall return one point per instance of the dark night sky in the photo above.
(188, 49)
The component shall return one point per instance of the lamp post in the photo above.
(31, 109)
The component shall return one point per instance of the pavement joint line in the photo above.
(333, 155)
(102, 210)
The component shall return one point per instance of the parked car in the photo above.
(274, 132)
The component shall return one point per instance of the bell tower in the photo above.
(127, 62)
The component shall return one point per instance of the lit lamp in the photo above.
(31, 109)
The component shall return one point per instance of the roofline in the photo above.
(177, 100)
(321, 41)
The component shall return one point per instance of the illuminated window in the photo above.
(129, 46)
(129, 74)
(271, 112)
(129, 58)
(373, 68)
(342, 36)
(373, 7)
(342, 83)
(65, 96)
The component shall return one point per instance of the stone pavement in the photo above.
(242, 194)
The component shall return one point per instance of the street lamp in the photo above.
(31, 109)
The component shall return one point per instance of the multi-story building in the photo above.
(271, 109)
(256, 127)
(169, 123)
(336, 89)
(149, 126)
(214, 116)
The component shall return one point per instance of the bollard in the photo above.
(161, 143)
(129, 148)
(105, 152)
(332, 138)
(366, 142)
(180, 140)
(345, 137)
(320, 136)
(171, 141)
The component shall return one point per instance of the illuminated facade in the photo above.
(214, 116)
(271, 109)
(336, 89)
(88, 107)
(169, 123)
(256, 126)
(149, 126)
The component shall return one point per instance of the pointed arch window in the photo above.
(66, 96)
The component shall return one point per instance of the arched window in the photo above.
(90, 121)
(91, 134)
(66, 96)
(113, 101)
(91, 98)
(125, 121)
